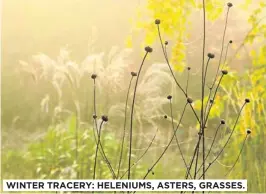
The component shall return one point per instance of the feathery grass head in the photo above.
(105, 118)
(148, 49)
(157, 21)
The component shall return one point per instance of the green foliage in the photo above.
(55, 155)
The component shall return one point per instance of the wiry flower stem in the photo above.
(167, 61)
(203, 85)
(166, 148)
(97, 131)
(144, 153)
(96, 152)
(124, 132)
(237, 156)
(177, 142)
(226, 141)
(131, 116)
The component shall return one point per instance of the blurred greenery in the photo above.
(47, 98)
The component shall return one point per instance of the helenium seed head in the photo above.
(165, 116)
(211, 101)
(169, 97)
(166, 42)
(94, 116)
(230, 41)
(148, 49)
(157, 21)
(211, 55)
(105, 118)
(248, 131)
(134, 74)
(247, 100)
(222, 121)
(229, 4)
(189, 100)
(93, 76)
(188, 68)
(224, 72)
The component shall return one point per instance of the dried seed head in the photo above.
(94, 116)
(105, 118)
(188, 68)
(248, 131)
(230, 41)
(93, 76)
(230, 4)
(222, 121)
(152, 173)
(211, 55)
(247, 100)
(165, 116)
(211, 101)
(169, 97)
(166, 42)
(189, 100)
(199, 133)
(157, 21)
(148, 49)
(224, 72)
(134, 74)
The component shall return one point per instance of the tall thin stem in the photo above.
(131, 116)
(166, 148)
(177, 142)
(203, 85)
(124, 132)
(96, 152)
(237, 156)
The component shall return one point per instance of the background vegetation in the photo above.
(47, 89)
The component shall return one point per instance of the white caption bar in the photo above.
(125, 185)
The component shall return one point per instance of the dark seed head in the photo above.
(94, 116)
(224, 72)
(157, 21)
(248, 131)
(211, 101)
(230, 4)
(104, 118)
(189, 100)
(148, 49)
(211, 55)
(152, 173)
(165, 116)
(199, 133)
(247, 100)
(230, 41)
(222, 121)
(169, 97)
(188, 68)
(134, 74)
(93, 76)
(166, 42)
